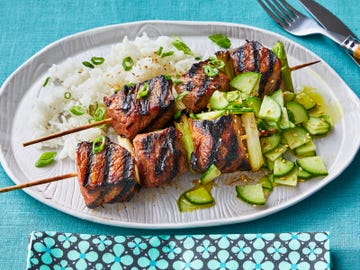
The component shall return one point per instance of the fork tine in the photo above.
(288, 13)
(293, 10)
(271, 13)
(283, 14)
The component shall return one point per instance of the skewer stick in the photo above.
(38, 182)
(66, 132)
(303, 65)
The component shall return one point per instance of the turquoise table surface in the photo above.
(28, 26)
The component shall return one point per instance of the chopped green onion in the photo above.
(143, 91)
(98, 144)
(88, 64)
(197, 58)
(97, 60)
(181, 46)
(168, 77)
(210, 71)
(99, 113)
(45, 159)
(216, 63)
(158, 52)
(77, 110)
(127, 63)
(46, 81)
(169, 53)
(67, 95)
(177, 115)
(221, 40)
(181, 96)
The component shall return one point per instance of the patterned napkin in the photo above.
(303, 250)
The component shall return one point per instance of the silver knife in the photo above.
(330, 22)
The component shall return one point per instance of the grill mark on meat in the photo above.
(241, 56)
(146, 145)
(256, 58)
(164, 85)
(204, 86)
(126, 104)
(128, 164)
(89, 166)
(108, 162)
(232, 153)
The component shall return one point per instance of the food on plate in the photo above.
(220, 115)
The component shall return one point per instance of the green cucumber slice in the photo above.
(269, 143)
(297, 112)
(290, 179)
(277, 152)
(304, 174)
(305, 100)
(199, 196)
(266, 182)
(313, 165)
(209, 115)
(296, 137)
(254, 103)
(253, 194)
(283, 167)
(218, 101)
(317, 126)
(210, 175)
(270, 110)
(186, 206)
(247, 82)
(278, 97)
(306, 150)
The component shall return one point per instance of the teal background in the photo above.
(28, 26)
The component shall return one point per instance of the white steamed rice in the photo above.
(87, 86)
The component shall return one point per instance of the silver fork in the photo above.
(298, 24)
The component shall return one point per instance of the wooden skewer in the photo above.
(304, 65)
(66, 132)
(109, 120)
(38, 182)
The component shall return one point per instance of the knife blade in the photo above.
(325, 18)
(346, 38)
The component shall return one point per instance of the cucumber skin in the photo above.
(313, 165)
(190, 194)
(241, 190)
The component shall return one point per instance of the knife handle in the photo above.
(352, 45)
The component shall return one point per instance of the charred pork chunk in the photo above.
(253, 56)
(221, 142)
(199, 87)
(106, 177)
(144, 106)
(160, 156)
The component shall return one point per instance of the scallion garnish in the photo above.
(67, 95)
(98, 144)
(88, 64)
(165, 54)
(221, 40)
(97, 60)
(143, 91)
(159, 52)
(45, 159)
(127, 63)
(77, 110)
(210, 71)
(177, 115)
(46, 81)
(217, 63)
(99, 113)
(181, 46)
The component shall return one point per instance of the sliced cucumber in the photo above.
(277, 152)
(209, 115)
(253, 194)
(278, 97)
(285, 122)
(290, 179)
(186, 206)
(252, 140)
(184, 128)
(232, 96)
(247, 82)
(210, 175)
(199, 196)
(306, 150)
(297, 112)
(305, 100)
(218, 101)
(254, 103)
(288, 96)
(313, 165)
(317, 126)
(269, 143)
(266, 182)
(296, 137)
(283, 167)
(270, 110)
(304, 174)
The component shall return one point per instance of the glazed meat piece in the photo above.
(199, 87)
(253, 56)
(160, 156)
(106, 177)
(221, 142)
(147, 106)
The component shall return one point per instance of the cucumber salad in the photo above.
(280, 133)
